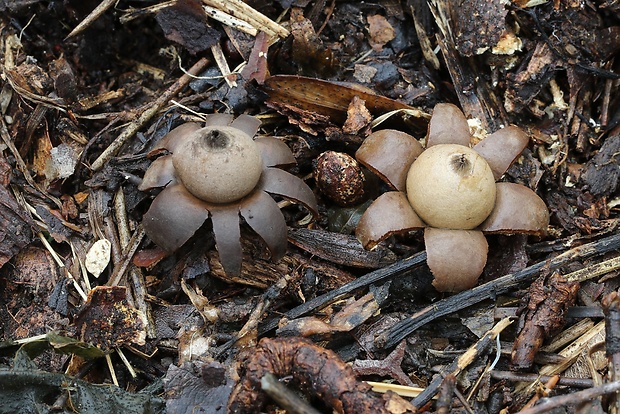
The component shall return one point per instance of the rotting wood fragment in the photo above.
(185, 23)
(389, 366)
(548, 300)
(309, 53)
(378, 275)
(315, 370)
(602, 172)
(479, 25)
(340, 248)
(351, 316)
(107, 320)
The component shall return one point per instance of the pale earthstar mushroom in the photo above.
(220, 171)
(450, 190)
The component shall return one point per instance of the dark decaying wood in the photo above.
(490, 289)
(316, 370)
(544, 314)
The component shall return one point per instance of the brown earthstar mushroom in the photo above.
(220, 171)
(450, 190)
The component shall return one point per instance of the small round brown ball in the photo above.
(451, 187)
(218, 164)
(340, 178)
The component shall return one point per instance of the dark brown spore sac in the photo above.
(340, 178)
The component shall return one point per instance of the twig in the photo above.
(220, 61)
(231, 21)
(523, 377)
(461, 362)
(378, 275)
(575, 398)
(133, 127)
(108, 360)
(402, 390)
(242, 11)
(595, 270)
(121, 267)
(543, 391)
(570, 354)
(132, 371)
(94, 15)
(61, 265)
(285, 398)
(491, 289)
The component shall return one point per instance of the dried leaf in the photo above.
(329, 98)
(380, 30)
(344, 220)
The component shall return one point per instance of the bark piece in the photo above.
(389, 366)
(316, 370)
(547, 302)
(107, 320)
(602, 172)
(479, 25)
(339, 248)
(186, 23)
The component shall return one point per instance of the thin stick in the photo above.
(242, 11)
(137, 278)
(402, 390)
(524, 377)
(121, 268)
(60, 264)
(132, 371)
(111, 369)
(94, 15)
(159, 103)
(595, 270)
(285, 398)
(220, 61)
(575, 398)
(462, 362)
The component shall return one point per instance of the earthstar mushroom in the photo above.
(450, 190)
(221, 172)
